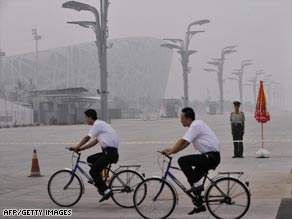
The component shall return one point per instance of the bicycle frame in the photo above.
(180, 185)
(173, 178)
(79, 168)
(84, 173)
(224, 191)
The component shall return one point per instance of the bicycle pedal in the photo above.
(90, 182)
(196, 210)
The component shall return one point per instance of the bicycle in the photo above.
(226, 196)
(65, 187)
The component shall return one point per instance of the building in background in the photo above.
(138, 73)
(14, 114)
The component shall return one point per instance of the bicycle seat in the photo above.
(213, 169)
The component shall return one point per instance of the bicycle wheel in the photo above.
(227, 198)
(123, 185)
(157, 202)
(57, 192)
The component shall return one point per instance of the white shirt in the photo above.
(105, 134)
(202, 137)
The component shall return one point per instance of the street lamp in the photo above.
(175, 41)
(92, 25)
(171, 46)
(275, 89)
(278, 96)
(2, 54)
(253, 80)
(182, 47)
(101, 33)
(270, 83)
(267, 78)
(219, 63)
(210, 70)
(36, 37)
(272, 89)
(225, 51)
(239, 74)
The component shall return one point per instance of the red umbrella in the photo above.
(261, 113)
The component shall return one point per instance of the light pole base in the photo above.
(262, 153)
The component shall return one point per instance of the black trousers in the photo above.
(237, 133)
(197, 165)
(100, 161)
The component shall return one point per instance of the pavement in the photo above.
(270, 178)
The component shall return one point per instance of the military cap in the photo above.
(236, 103)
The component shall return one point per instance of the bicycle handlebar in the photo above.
(74, 151)
(169, 157)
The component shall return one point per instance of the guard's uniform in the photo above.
(237, 126)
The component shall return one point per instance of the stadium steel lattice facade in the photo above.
(138, 70)
(138, 67)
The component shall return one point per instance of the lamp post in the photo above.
(272, 90)
(219, 63)
(253, 81)
(267, 81)
(182, 47)
(239, 74)
(269, 88)
(2, 54)
(100, 29)
(276, 89)
(36, 37)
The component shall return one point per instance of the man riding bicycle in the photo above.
(105, 135)
(195, 166)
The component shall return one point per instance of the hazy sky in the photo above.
(262, 29)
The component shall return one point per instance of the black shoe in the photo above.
(100, 192)
(197, 210)
(235, 156)
(196, 190)
(106, 196)
(241, 156)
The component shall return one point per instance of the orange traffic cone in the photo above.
(35, 169)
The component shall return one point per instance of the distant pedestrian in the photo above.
(237, 119)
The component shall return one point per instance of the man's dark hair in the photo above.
(91, 113)
(189, 113)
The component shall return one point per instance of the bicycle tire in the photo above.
(123, 195)
(166, 197)
(234, 206)
(56, 191)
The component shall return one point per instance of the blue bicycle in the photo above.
(65, 187)
(226, 197)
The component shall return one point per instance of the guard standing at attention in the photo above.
(237, 119)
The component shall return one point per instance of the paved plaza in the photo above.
(270, 178)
